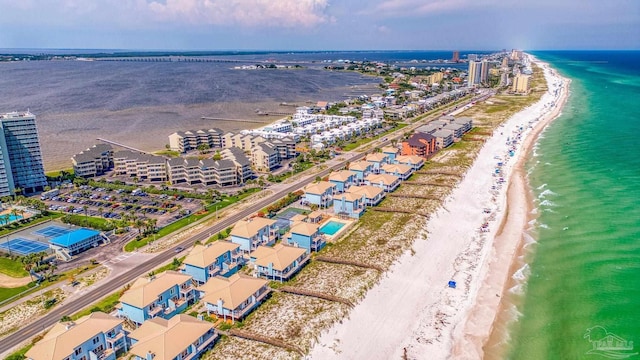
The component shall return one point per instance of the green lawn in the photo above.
(89, 221)
(19, 355)
(105, 305)
(13, 268)
(169, 153)
(6, 293)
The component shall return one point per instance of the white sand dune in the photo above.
(412, 311)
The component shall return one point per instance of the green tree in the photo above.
(203, 148)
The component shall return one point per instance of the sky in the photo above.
(320, 24)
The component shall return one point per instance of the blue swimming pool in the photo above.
(331, 228)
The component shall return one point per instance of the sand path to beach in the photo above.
(7, 281)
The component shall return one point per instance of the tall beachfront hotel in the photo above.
(20, 159)
(478, 72)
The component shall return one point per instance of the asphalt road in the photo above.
(54, 315)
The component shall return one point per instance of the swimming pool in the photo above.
(11, 218)
(331, 228)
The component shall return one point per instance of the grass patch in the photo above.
(20, 354)
(88, 221)
(174, 265)
(13, 268)
(105, 305)
(177, 225)
(169, 153)
(7, 293)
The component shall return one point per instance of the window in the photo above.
(172, 290)
(96, 340)
(77, 351)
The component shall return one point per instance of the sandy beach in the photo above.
(472, 239)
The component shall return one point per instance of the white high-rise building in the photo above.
(21, 163)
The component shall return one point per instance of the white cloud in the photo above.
(248, 13)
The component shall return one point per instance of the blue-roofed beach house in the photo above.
(76, 242)
(349, 204)
(280, 262)
(377, 160)
(94, 336)
(162, 295)
(218, 258)
(372, 195)
(391, 153)
(362, 168)
(307, 236)
(415, 161)
(234, 297)
(251, 233)
(386, 182)
(399, 170)
(320, 193)
(182, 337)
(342, 179)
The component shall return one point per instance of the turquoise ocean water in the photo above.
(582, 264)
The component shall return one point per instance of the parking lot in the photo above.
(118, 204)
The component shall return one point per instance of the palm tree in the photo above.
(100, 211)
(14, 212)
(139, 224)
(152, 224)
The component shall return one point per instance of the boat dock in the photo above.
(122, 145)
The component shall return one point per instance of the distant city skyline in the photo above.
(320, 24)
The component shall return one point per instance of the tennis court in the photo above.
(24, 246)
(52, 231)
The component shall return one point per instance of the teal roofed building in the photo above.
(76, 242)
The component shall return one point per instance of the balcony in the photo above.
(115, 338)
(318, 242)
(154, 311)
(185, 289)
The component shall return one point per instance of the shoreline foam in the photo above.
(412, 312)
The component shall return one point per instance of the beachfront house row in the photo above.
(362, 168)
(444, 138)
(280, 262)
(457, 129)
(376, 160)
(251, 233)
(306, 235)
(163, 295)
(182, 337)
(342, 179)
(218, 258)
(466, 122)
(391, 153)
(349, 204)
(372, 195)
(94, 336)
(419, 144)
(416, 162)
(399, 170)
(234, 297)
(320, 193)
(386, 182)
